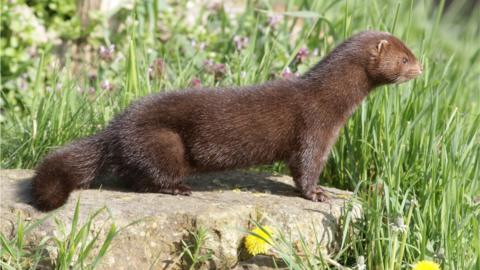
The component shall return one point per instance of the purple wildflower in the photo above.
(288, 74)
(208, 63)
(302, 55)
(195, 82)
(106, 85)
(240, 42)
(106, 53)
(274, 20)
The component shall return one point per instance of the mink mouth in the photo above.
(402, 79)
(408, 76)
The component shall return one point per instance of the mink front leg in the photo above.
(305, 175)
(306, 164)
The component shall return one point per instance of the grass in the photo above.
(193, 252)
(411, 151)
(76, 247)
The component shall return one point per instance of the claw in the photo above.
(182, 190)
(317, 195)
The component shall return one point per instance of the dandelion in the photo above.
(258, 241)
(240, 42)
(106, 53)
(426, 265)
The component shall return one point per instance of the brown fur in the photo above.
(162, 138)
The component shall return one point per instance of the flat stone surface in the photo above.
(223, 203)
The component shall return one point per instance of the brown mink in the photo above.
(161, 138)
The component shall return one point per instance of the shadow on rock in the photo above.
(245, 181)
(224, 181)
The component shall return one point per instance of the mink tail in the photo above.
(66, 169)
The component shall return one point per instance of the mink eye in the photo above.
(404, 60)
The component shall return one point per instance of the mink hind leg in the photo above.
(140, 181)
(156, 162)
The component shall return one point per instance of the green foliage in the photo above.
(15, 253)
(194, 253)
(78, 247)
(59, 16)
(45, 28)
(75, 247)
(21, 40)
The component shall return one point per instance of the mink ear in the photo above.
(381, 46)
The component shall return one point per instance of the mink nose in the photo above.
(419, 69)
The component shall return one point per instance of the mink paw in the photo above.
(318, 194)
(182, 190)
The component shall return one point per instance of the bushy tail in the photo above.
(66, 169)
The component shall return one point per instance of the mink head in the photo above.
(390, 61)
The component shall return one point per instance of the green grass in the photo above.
(75, 247)
(193, 253)
(410, 151)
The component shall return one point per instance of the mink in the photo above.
(161, 138)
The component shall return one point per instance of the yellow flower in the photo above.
(426, 265)
(258, 241)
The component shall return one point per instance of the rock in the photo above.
(223, 203)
